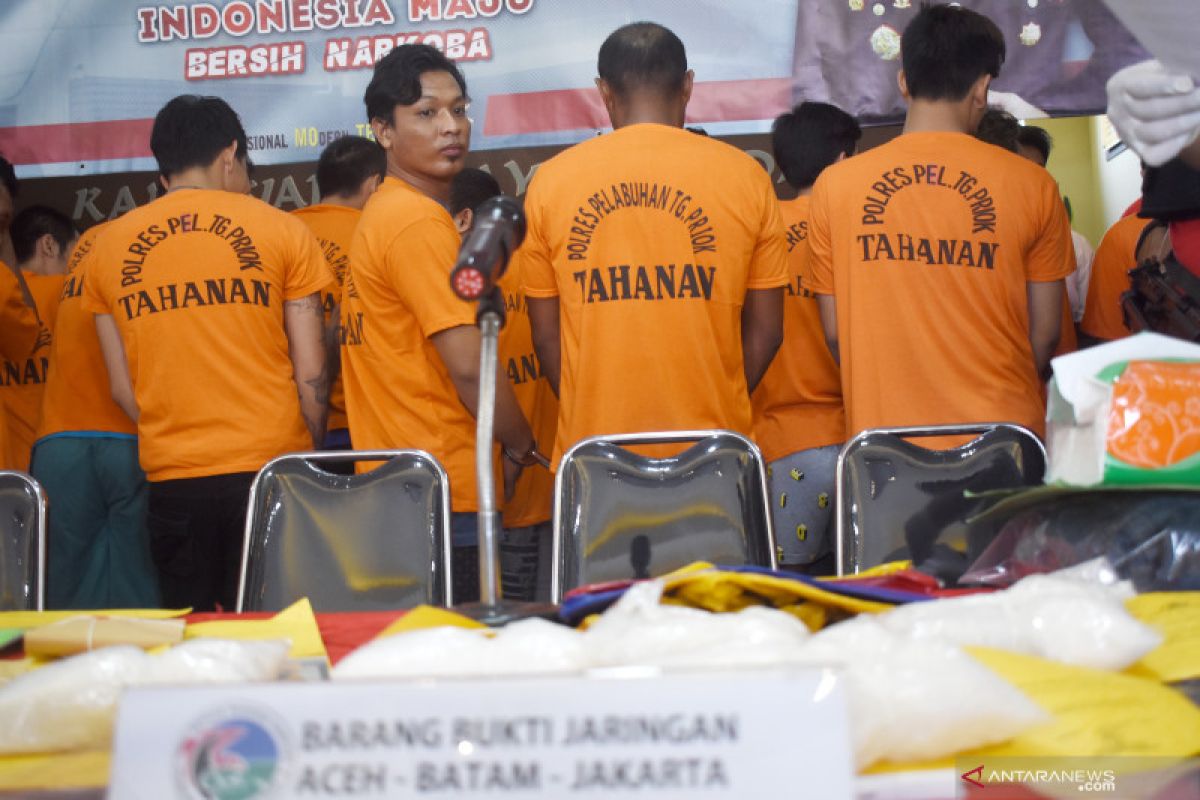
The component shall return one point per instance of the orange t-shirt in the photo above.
(533, 499)
(928, 243)
(396, 296)
(19, 331)
(650, 237)
(798, 404)
(77, 399)
(196, 282)
(24, 380)
(334, 228)
(19, 327)
(1115, 257)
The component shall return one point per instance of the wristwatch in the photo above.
(529, 457)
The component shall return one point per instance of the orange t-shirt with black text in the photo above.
(798, 404)
(650, 237)
(78, 399)
(533, 500)
(334, 228)
(19, 331)
(1115, 257)
(928, 244)
(24, 380)
(196, 281)
(396, 296)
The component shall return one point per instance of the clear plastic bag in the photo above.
(70, 704)
(1150, 537)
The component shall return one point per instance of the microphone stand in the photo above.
(492, 609)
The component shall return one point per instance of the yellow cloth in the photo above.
(1095, 713)
(889, 568)
(423, 617)
(295, 623)
(90, 769)
(34, 619)
(11, 668)
(700, 586)
(1177, 616)
(54, 771)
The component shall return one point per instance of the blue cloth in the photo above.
(802, 497)
(98, 553)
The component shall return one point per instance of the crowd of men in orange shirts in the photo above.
(661, 286)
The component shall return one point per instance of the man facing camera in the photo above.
(410, 348)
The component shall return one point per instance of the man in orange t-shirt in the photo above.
(19, 331)
(1000, 128)
(525, 547)
(209, 316)
(8, 196)
(655, 260)
(42, 240)
(1103, 319)
(410, 348)
(939, 259)
(86, 457)
(349, 171)
(798, 418)
(18, 321)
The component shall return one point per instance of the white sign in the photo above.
(745, 735)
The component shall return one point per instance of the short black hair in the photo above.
(1000, 128)
(8, 177)
(470, 188)
(1037, 138)
(346, 162)
(643, 55)
(945, 49)
(191, 131)
(35, 222)
(397, 78)
(809, 138)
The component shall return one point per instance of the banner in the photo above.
(83, 79)
(1060, 53)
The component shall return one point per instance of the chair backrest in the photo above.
(23, 553)
(374, 540)
(620, 515)
(897, 500)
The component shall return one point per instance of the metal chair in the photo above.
(898, 500)
(23, 554)
(620, 515)
(370, 541)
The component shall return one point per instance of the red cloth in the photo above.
(911, 580)
(1185, 243)
(342, 631)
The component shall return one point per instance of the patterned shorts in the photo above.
(802, 497)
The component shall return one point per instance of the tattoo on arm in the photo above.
(311, 303)
(320, 387)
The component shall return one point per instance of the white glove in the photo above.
(1156, 111)
(1014, 104)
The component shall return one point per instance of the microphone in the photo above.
(498, 230)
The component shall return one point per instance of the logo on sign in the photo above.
(237, 755)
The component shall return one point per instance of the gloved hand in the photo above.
(1156, 110)
(1016, 105)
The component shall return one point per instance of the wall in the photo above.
(1100, 190)
(1073, 165)
(1120, 180)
